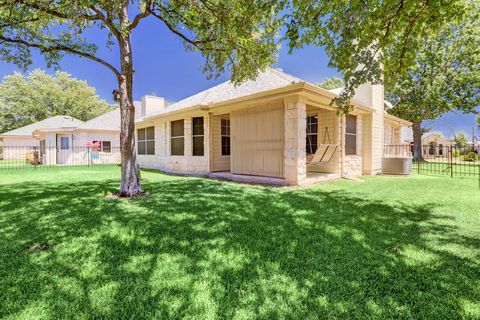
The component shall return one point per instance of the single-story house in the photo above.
(275, 129)
(434, 145)
(65, 140)
(96, 140)
(18, 141)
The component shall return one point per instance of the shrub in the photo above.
(471, 156)
(456, 153)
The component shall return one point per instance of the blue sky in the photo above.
(163, 67)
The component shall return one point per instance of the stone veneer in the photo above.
(295, 167)
(186, 164)
(353, 166)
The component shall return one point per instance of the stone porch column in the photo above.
(295, 160)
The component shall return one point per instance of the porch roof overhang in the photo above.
(397, 121)
(316, 97)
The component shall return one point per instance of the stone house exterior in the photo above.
(434, 145)
(276, 129)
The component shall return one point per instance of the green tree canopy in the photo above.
(38, 95)
(460, 139)
(331, 83)
(357, 35)
(445, 75)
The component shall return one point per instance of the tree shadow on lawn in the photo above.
(204, 249)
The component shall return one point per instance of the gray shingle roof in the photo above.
(108, 121)
(49, 123)
(268, 80)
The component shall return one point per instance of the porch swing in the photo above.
(325, 151)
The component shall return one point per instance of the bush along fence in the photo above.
(449, 160)
(22, 157)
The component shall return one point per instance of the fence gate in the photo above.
(449, 160)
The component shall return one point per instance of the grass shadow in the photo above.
(200, 248)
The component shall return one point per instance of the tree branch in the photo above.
(145, 13)
(195, 43)
(64, 48)
(55, 13)
(111, 26)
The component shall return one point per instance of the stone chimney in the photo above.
(151, 104)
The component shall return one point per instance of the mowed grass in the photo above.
(15, 164)
(387, 248)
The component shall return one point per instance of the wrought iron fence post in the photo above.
(35, 158)
(451, 161)
(419, 159)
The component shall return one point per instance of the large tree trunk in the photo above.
(130, 184)
(417, 140)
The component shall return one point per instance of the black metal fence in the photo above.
(22, 157)
(449, 160)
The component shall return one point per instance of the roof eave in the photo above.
(397, 119)
(93, 129)
(172, 112)
(300, 87)
(15, 136)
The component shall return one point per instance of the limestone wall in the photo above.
(163, 160)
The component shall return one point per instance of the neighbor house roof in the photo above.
(268, 80)
(434, 133)
(60, 122)
(107, 121)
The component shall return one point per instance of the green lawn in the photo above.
(14, 164)
(202, 249)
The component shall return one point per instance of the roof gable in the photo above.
(110, 120)
(49, 123)
(268, 80)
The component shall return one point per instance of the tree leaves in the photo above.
(445, 75)
(24, 100)
(355, 34)
(331, 83)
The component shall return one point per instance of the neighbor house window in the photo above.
(177, 137)
(225, 133)
(106, 146)
(431, 149)
(146, 141)
(197, 136)
(312, 134)
(351, 136)
(64, 143)
(42, 147)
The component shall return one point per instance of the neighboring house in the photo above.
(69, 141)
(276, 129)
(434, 144)
(17, 141)
(60, 145)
